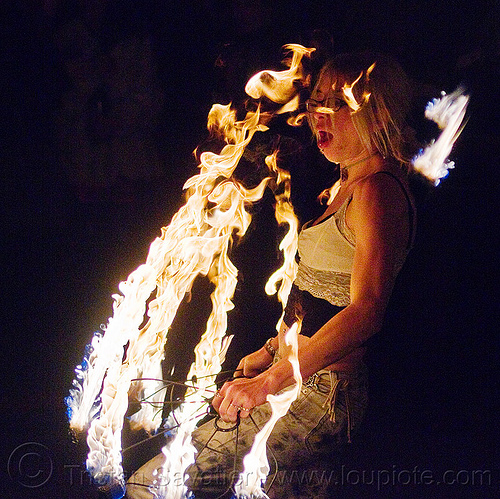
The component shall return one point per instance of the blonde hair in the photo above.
(384, 95)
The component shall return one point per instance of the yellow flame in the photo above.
(348, 92)
(284, 215)
(280, 86)
(195, 243)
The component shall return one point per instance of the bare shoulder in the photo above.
(379, 203)
(381, 191)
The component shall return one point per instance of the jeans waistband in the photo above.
(359, 374)
(333, 383)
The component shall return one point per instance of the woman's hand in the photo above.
(240, 395)
(246, 391)
(253, 364)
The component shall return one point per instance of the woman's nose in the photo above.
(319, 117)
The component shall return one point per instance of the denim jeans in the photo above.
(300, 449)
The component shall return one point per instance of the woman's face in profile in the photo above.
(331, 122)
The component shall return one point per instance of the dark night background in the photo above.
(102, 104)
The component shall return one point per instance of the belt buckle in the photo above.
(312, 380)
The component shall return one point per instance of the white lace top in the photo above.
(326, 252)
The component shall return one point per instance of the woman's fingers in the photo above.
(231, 400)
(217, 400)
(239, 371)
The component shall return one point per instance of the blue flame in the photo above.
(72, 401)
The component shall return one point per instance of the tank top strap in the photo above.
(340, 219)
(411, 209)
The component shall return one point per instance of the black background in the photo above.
(67, 244)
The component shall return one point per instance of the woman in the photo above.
(349, 259)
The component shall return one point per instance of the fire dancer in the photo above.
(350, 256)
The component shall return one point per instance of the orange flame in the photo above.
(284, 215)
(280, 86)
(347, 89)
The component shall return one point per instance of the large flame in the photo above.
(284, 215)
(195, 243)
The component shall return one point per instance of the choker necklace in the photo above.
(344, 174)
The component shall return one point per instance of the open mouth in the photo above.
(323, 138)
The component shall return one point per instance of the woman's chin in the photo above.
(328, 155)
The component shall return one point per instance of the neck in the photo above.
(344, 174)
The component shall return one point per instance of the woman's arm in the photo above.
(253, 364)
(378, 215)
